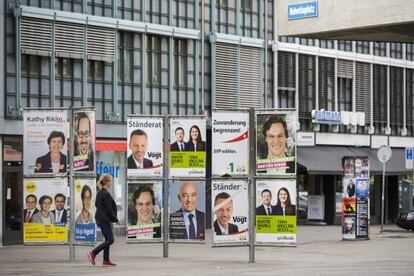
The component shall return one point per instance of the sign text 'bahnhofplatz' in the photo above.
(302, 10)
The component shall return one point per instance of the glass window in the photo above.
(180, 61)
(326, 43)
(153, 60)
(409, 51)
(380, 49)
(345, 94)
(345, 45)
(396, 50)
(362, 47)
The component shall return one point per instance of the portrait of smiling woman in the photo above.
(44, 216)
(195, 142)
(54, 161)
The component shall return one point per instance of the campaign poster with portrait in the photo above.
(45, 214)
(187, 210)
(276, 143)
(84, 141)
(230, 210)
(187, 147)
(144, 211)
(276, 211)
(45, 134)
(145, 146)
(230, 143)
(355, 198)
(85, 194)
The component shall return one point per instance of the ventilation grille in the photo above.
(36, 36)
(101, 43)
(226, 76)
(250, 77)
(363, 90)
(69, 40)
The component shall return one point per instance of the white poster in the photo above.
(145, 146)
(230, 210)
(85, 194)
(45, 134)
(276, 211)
(230, 143)
(187, 147)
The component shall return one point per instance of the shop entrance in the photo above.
(12, 190)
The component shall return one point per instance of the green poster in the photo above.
(276, 224)
(186, 160)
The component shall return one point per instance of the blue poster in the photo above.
(85, 232)
(362, 187)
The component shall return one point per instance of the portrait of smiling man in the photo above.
(138, 144)
(187, 222)
(223, 209)
(276, 134)
(84, 155)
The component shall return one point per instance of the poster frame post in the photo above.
(71, 189)
(166, 226)
(384, 154)
(383, 198)
(252, 186)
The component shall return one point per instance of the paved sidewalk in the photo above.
(319, 251)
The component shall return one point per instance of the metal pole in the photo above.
(165, 189)
(252, 187)
(382, 197)
(72, 190)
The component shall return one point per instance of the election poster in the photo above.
(230, 208)
(355, 198)
(230, 143)
(187, 147)
(145, 146)
(84, 141)
(85, 225)
(45, 211)
(45, 134)
(144, 211)
(187, 210)
(276, 211)
(276, 143)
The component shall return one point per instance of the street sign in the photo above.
(384, 153)
(302, 10)
(409, 158)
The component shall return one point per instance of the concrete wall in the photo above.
(354, 16)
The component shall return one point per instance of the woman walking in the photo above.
(105, 215)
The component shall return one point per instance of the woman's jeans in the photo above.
(106, 228)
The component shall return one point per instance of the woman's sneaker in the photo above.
(108, 263)
(91, 257)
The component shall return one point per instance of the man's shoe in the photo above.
(91, 257)
(108, 263)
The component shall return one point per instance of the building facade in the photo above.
(188, 57)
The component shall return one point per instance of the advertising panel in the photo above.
(276, 211)
(187, 210)
(144, 211)
(84, 141)
(188, 147)
(355, 198)
(45, 133)
(276, 143)
(230, 143)
(145, 146)
(45, 211)
(85, 194)
(229, 205)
